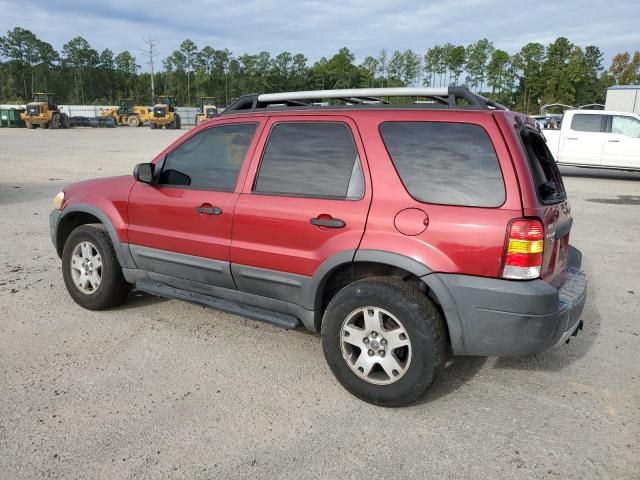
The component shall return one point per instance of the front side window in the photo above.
(445, 163)
(623, 125)
(310, 159)
(210, 160)
(586, 123)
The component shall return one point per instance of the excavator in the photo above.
(128, 113)
(164, 114)
(208, 109)
(44, 112)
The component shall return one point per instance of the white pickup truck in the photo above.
(597, 138)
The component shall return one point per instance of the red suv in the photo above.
(396, 230)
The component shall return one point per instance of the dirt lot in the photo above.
(164, 389)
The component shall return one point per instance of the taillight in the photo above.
(523, 253)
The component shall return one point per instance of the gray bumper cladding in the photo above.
(514, 318)
(54, 216)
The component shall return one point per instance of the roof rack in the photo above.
(447, 97)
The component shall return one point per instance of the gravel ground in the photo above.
(165, 389)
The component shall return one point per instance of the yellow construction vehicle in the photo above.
(208, 109)
(44, 112)
(128, 113)
(164, 114)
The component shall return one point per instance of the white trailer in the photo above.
(623, 98)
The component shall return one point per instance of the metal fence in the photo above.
(187, 114)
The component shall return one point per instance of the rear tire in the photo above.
(133, 121)
(90, 269)
(53, 124)
(178, 122)
(64, 120)
(384, 340)
(152, 126)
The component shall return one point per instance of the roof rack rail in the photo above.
(448, 97)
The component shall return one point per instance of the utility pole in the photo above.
(151, 52)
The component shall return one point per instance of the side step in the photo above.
(281, 320)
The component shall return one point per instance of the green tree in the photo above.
(83, 59)
(341, 71)
(23, 49)
(527, 64)
(455, 58)
(477, 56)
(369, 68)
(558, 88)
(189, 52)
(126, 68)
(497, 70)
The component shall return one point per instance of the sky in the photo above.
(320, 28)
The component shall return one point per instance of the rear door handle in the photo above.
(209, 210)
(572, 138)
(328, 222)
(613, 141)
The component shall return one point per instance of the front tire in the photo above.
(384, 341)
(90, 269)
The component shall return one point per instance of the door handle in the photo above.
(572, 138)
(209, 210)
(613, 141)
(327, 222)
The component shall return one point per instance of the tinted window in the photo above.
(544, 170)
(209, 160)
(586, 123)
(446, 163)
(623, 125)
(310, 160)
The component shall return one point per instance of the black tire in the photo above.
(54, 122)
(113, 288)
(178, 122)
(64, 120)
(152, 126)
(421, 321)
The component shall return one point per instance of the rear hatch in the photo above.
(552, 206)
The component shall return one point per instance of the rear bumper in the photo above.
(514, 318)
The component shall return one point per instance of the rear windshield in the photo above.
(445, 163)
(546, 175)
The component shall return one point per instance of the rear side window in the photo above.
(445, 163)
(210, 160)
(544, 170)
(310, 160)
(623, 125)
(586, 123)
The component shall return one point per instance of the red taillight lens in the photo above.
(525, 246)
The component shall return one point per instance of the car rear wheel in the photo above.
(90, 269)
(384, 341)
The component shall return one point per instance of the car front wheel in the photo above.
(384, 341)
(90, 269)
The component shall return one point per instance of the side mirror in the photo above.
(143, 172)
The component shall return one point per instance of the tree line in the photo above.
(538, 74)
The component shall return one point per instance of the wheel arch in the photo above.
(75, 215)
(346, 267)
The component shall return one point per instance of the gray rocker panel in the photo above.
(199, 269)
